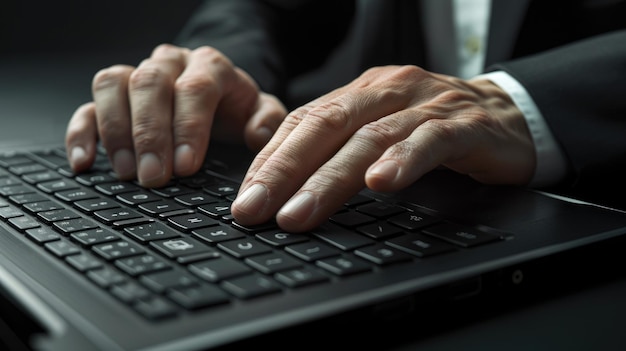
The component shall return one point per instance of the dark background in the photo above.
(36, 27)
(50, 51)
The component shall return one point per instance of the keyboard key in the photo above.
(161, 281)
(195, 297)
(136, 198)
(42, 235)
(250, 286)
(312, 251)
(217, 234)
(106, 277)
(413, 221)
(27, 198)
(117, 214)
(75, 225)
(130, 291)
(57, 215)
(420, 245)
(460, 235)
(280, 239)
(62, 248)
(116, 188)
(58, 185)
(341, 238)
(380, 209)
(351, 219)
(182, 246)
(150, 232)
(118, 249)
(142, 264)
(156, 208)
(84, 262)
(76, 195)
(381, 230)
(343, 266)
(94, 236)
(242, 248)
(97, 204)
(92, 179)
(35, 207)
(382, 254)
(300, 277)
(155, 307)
(23, 223)
(273, 262)
(191, 222)
(218, 269)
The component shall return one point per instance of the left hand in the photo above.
(384, 130)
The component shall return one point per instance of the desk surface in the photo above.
(38, 92)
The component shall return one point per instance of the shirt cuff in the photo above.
(551, 165)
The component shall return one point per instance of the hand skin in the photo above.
(384, 130)
(155, 120)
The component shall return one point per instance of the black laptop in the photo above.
(91, 263)
(88, 262)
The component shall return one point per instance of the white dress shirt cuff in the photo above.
(551, 165)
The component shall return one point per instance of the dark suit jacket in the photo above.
(569, 54)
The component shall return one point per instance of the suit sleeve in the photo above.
(272, 40)
(580, 89)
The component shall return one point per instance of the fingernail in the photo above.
(124, 163)
(252, 200)
(150, 168)
(300, 207)
(184, 159)
(78, 155)
(387, 170)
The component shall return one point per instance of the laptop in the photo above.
(91, 263)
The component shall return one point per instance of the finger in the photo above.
(307, 138)
(343, 175)
(81, 138)
(468, 143)
(209, 83)
(427, 147)
(109, 88)
(151, 91)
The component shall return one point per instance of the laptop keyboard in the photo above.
(175, 249)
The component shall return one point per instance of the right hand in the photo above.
(155, 120)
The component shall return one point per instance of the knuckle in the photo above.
(145, 77)
(276, 169)
(146, 135)
(378, 134)
(212, 55)
(332, 115)
(165, 49)
(195, 85)
(294, 118)
(442, 129)
(113, 76)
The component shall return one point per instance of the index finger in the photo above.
(308, 138)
